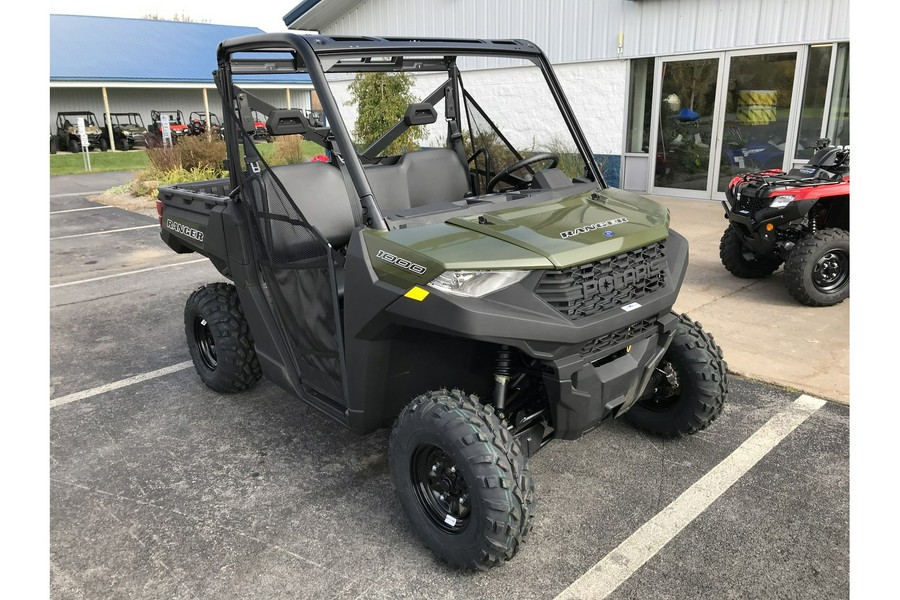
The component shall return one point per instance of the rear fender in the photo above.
(834, 212)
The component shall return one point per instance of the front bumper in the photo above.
(584, 393)
(754, 220)
(754, 225)
(594, 367)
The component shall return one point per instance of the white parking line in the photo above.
(78, 235)
(77, 194)
(59, 212)
(178, 264)
(119, 384)
(617, 566)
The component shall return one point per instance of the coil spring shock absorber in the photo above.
(502, 371)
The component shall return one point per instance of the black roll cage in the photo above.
(115, 117)
(61, 117)
(309, 52)
(155, 114)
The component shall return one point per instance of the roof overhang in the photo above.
(315, 15)
(187, 85)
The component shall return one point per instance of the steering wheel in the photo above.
(505, 174)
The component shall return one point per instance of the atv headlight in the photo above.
(476, 284)
(781, 201)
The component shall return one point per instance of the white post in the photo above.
(208, 117)
(287, 94)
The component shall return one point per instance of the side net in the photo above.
(298, 266)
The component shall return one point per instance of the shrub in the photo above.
(164, 159)
(189, 153)
(570, 161)
(288, 150)
(196, 152)
(146, 183)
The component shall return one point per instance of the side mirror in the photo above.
(419, 113)
(286, 122)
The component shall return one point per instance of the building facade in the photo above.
(113, 65)
(675, 96)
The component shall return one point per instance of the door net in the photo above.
(298, 266)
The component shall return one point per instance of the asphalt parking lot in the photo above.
(161, 488)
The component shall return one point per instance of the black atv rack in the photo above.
(785, 179)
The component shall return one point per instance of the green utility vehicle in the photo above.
(128, 130)
(483, 295)
(68, 137)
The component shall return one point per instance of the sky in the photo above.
(265, 15)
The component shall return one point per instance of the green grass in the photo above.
(70, 164)
(310, 149)
(136, 160)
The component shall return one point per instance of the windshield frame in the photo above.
(316, 55)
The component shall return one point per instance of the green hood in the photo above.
(570, 231)
(578, 228)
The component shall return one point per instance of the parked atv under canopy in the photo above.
(378, 287)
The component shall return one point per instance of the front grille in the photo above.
(617, 337)
(752, 197)
(589, 289)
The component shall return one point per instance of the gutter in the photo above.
(301, 9)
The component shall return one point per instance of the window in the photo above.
(814, 96)
(641, 92)
(839, 114)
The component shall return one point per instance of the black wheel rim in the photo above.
(831, 271)
(205, 343)
(440, 489)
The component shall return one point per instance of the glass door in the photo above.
(756, 113)
(686, 128)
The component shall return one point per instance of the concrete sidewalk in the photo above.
(763, 332)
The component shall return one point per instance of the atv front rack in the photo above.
(780, 178)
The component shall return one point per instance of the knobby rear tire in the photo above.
(219, 339)
(800, 270)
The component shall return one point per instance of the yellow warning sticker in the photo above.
(416, 293)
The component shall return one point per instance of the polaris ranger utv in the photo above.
(483, 296)
(128, 130)
(67, 131)
(800, 218)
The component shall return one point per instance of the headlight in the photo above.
(476, 284)
(781, 201)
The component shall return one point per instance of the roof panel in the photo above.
(84, 48)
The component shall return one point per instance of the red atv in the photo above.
(800, 218)
(259, 122)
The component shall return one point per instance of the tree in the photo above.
(381, 100)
